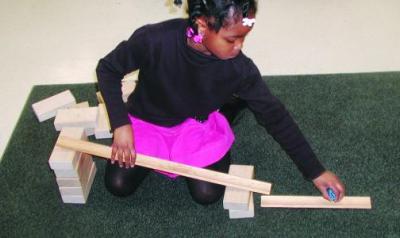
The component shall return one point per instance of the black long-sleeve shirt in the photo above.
(176, 82)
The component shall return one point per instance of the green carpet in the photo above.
(351, 120)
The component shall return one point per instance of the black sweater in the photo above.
(177, 82)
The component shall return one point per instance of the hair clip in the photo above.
(248, 21)
(197, 38)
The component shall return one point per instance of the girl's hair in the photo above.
(219, 13)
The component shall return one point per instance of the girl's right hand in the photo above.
(329, 180)
(123, 147)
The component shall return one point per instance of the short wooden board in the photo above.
(347, 202)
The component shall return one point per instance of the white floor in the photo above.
(51, 42)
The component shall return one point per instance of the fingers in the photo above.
(113, 153)
(124, 155)
(327, 193)
(120, 156)
(339, 191)
(330, 180)
(338, 188)
(324, 191)
(129, 156)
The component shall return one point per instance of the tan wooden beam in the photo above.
(315, 202)
(100, 98)
(171, 167)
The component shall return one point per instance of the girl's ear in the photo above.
(201, 24)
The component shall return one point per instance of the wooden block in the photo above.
(80, 174)
(86, 191)
(85, 162)
(63, 160)
(238, 199)
(77, 199)
(86, 165)
(76, 117)
(80, 105)
(68, 182)
(86, 182)
(70, 173)
(248, 213)
(88, 131)
(66, 159)
(128, 86)
(315, 202)
(66, 173)
(103, 127)
(71, 191)
(99, 97)
(47, 108)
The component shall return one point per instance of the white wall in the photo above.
(326, 36)
(49, 42)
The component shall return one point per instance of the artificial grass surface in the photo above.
(352, 122)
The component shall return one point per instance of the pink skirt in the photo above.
(192, 143)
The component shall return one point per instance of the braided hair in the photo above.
(218, 12)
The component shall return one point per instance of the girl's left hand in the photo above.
(330, 180)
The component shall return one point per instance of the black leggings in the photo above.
(123, 182)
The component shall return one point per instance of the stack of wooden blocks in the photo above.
(75, 171)
(240, 203)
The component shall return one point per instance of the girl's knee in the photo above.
(118, 187)
(123, 182)
(205, 200)
(206, 194)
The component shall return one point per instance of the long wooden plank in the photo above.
(171, 167)
(315, 202)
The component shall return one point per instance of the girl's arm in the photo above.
(272, 114)
(125, 58)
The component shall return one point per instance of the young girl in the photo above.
(193, 80)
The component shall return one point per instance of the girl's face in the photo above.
(227, 42)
